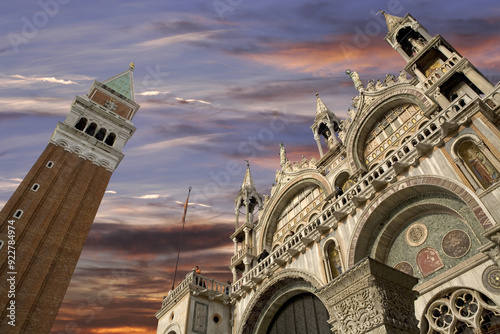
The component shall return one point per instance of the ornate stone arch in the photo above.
(269, 297)
(273, 209)
(394, 96)
(388, 200)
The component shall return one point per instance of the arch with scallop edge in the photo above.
(76, 149)
(441, 184)
(269, 217)
(62, 143)
(91, 157)
(394, 96)
(257, 313)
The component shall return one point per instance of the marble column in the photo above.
(477, 79)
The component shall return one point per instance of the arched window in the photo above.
(110, 140)
(100, 134)
(18, 214)
(384, 133)
(91, 129)
(81, 124)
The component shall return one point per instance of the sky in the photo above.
(219, 82)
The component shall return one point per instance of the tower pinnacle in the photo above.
(248, 183)
(391, 20)
(123, 83)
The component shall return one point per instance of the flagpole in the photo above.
(180, 240)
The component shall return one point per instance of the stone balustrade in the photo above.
(441, 71)
(241, 252)
(430, 135)
(198, 285)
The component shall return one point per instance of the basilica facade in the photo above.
(395, 229)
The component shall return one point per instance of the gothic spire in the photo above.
(391, 20)
(321, 108)
(248, 180)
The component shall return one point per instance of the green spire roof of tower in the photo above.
(123, 83)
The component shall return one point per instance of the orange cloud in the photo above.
(328, 57)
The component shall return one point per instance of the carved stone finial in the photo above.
(389, 80)
(402, 76)
(370, 86)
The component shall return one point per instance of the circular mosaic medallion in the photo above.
(491, 279)
(416, 234)
(456, 243)
(404, 267)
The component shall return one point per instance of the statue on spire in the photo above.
(283, 158)
(355, 79)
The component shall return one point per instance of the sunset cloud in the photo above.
(214, 92)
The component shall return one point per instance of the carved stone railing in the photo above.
(245, 251)
(197, 285)
(432, 134)
(441, 71)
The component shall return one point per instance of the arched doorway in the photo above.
(302, 314)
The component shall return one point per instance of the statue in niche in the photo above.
(478, 163)
(334, 260)
(417, 44)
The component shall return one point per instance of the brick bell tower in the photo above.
(44, 225)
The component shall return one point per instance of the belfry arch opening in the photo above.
(403, 38)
